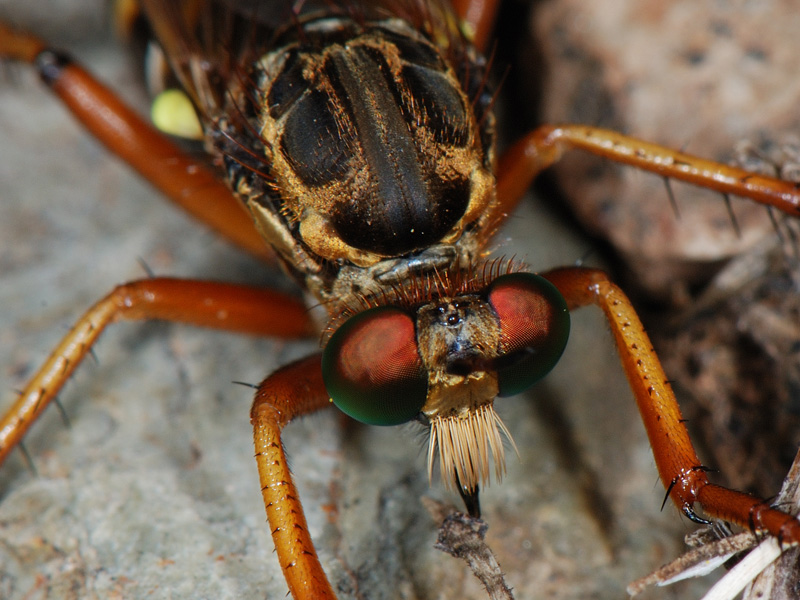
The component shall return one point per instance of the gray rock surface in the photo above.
(152, 492)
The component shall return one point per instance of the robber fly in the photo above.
(359, 138)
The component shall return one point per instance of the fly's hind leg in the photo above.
(187, 182)
(479, 17)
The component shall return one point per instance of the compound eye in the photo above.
(372, 368)
(534, 328)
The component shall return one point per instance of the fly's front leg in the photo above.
(221, 306)
(545, 145)
(678, 465)
(292, 391)
(184, 180)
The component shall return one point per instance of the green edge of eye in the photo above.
(377, 400)
(533, 363)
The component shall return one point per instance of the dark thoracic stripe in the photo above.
(386, 142)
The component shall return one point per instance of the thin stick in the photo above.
(463, 536)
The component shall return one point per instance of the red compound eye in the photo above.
(372, 368)
(534, 327)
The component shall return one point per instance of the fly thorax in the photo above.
(372, 143)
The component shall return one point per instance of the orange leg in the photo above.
(680, 469)
(222, 306)
(292, 391)
(187, 182)
(545, 145)
(479, 16)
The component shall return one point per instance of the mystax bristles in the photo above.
(465, 441)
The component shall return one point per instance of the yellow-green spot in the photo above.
(173, 113)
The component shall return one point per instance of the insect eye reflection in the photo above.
(534, 322)
(372, 368)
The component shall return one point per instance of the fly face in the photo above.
(441, 355)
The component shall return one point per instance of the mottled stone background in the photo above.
(152, 491)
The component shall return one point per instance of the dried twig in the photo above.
(462, 536)
(696, 562)
(764, 577)
(781, 580)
